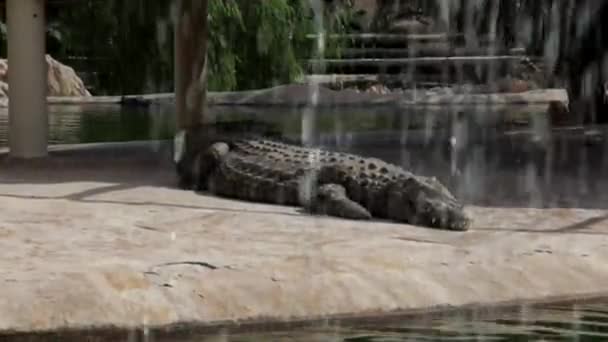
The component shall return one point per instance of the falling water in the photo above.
(310, 112)
(309, 115)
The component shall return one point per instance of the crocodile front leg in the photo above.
(331, 199)
(207, 162)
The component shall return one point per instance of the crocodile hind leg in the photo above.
(331, 199)
(207, 162)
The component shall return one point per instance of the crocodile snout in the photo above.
(450, 216)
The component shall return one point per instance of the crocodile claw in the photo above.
(332, 200)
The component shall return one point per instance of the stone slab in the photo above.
(303, 95)
(311, 94)
(107, 242)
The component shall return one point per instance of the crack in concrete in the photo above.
(192, 263)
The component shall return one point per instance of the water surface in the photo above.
(582, 322)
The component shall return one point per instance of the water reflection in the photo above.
(98, 123)
(71, 124)
(549, 322)
(580, 321)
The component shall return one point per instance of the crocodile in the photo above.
(320, 181)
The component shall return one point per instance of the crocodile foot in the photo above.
(207, 162)
(331, 199)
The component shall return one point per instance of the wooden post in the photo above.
(27, 78)
(190, 76)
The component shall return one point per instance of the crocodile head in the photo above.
(426, 202)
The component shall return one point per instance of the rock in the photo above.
(410, 25)
(62, 80)
(3, 94)
(378, 89)
(515, 85)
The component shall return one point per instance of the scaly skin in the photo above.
(324, 182)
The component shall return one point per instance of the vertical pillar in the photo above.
(27, 78)
(190, 69)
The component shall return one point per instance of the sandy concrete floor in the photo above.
(87, 242)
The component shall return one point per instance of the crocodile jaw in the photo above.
(425, 202)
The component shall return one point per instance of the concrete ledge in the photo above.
(109, 243)
(302, 95)
(197, 330)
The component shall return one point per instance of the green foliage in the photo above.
(261, 43)
(225, 24)
(128, 44)
(262, 49)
